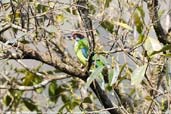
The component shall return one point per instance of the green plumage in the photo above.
(81, 49)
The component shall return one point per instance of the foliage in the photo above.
(41, 73)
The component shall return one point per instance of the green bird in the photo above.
(81, 47)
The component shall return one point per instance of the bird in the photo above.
(82, 50)
(81, 47)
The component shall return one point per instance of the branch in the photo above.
(104, 98)
(161, 34)
(28, 88)
(56, 61)
(6, 27)
(153, 12)
(84, 14)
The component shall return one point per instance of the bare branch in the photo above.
(40, 85)
(153, 12)
(84, 14)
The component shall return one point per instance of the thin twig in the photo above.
(40, 85)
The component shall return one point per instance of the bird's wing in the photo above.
(85, 52)
(82, 50)
(81, 57)
(84, 43)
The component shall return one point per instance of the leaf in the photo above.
(30, 104)
(141, 12)
(160, 13)
(53, 91)
(69, 101)
(165, 48)
(94, 75)
(41, 7)
(5, 1)
(31, 79)
(148, 98)
(124, 25)
(137, 21)
(28, 79)
(167, 55)
(37, 80)
(141, 39)
(52, 88)
(114, 75)
(87, 100)
(60, 18)
(107, 25)
(100, 60)
(138, 75)
(51, 29)
(91, 8)
(73, 11)
(51, 4)
(107, 3)
(7, 100)
(151, 45)
(65, 97)
(24, 41)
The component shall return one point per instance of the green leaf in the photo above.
(59, 18)
(161, 12)
(87, 100)
(91, 8)
(132, 92)
(148, 98)
(30, 104)
(107, 3)
(100, 60)
(113, 76)
(24, 41)
(7, 100)
(141, 12)
(52, 88)
(167, 55)
(138, 75)
(28, 79)
(107, 25)
(70, 102)
(96, 72)
(37, 80)
(53, 91)
(60, 111)
(65, 97)
(31, 79)
(137, 21)
(41, 7)
(122, 68)
(151, 45)
(141, 39)
(165, 48)
(124, 25)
